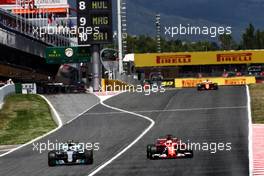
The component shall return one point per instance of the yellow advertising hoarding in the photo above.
(199, 58)
(192, 82)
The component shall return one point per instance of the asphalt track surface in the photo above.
(70, 105)
(208, 116)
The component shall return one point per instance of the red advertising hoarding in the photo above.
(5, 2)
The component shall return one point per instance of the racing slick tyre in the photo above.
(190, 155)
(88, 154)
(149, 154)
(52, 159)
(199, 87)
(215, 87)
(153, 150)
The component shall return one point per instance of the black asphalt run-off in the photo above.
(206, 116)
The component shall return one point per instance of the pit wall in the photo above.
(192, 82)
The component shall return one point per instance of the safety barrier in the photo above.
(6, 90)
(192, 82)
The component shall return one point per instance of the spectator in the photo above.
(225, 74)
(238, 73)
(200, 75)
(9, 81)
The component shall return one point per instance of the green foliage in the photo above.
(145, 44)
(257, 103)
(227, 42)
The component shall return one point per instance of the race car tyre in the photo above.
(190, 155)
(199, 87)
(153, 150)
(88, 156)
(149, 154)
(216, 87)
(52, 159)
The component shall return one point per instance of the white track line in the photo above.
(250, 140)
(56, 129)
(53, 111)
(70, 121)
(130, 145)
(170, 110)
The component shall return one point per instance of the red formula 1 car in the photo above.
(207, 85)
(168, 147)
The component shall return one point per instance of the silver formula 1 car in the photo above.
(70, 153)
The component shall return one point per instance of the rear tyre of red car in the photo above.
(149, 155)
(189, 155)
(151, 149)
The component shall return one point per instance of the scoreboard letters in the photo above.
(95, 16)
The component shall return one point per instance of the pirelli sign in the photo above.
(173, 59)
(199, 58)
(240, 57)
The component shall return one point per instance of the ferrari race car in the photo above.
(70, 153)
(168, 147)
(207, 85)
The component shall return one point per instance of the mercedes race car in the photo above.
(70, 153)
(168, 147)
(207, 85)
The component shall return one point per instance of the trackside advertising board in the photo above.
(192, 82)
(199, 58)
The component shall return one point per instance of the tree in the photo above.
(248, 38)
(259, 39)
(227, 42)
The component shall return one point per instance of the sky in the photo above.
(235, 13)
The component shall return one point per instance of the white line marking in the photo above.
(56, 129)
(70, 121)
(250, 141)
(53, 111)
(170, 110)
(130, 145)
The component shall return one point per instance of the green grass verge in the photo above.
(23, 118)
(257, 103)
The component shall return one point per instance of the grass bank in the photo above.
(23, 118)
(257, 103)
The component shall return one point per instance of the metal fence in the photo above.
(31, 29)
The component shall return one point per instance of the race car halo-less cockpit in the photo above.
(70, 153)
(168, 147)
